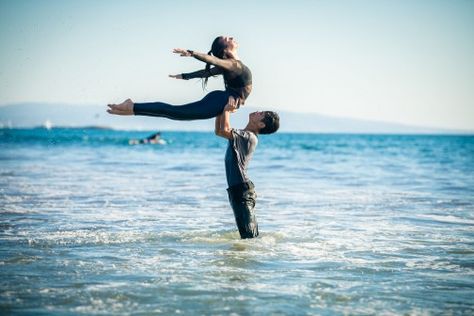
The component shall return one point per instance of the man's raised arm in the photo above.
(222, 125)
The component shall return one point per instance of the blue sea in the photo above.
(350, 224)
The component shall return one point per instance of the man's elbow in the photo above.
(223, 132)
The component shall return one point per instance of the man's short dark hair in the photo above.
(271, 121)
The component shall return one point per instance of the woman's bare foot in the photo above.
(124, 108)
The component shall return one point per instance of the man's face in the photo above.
(256, 117)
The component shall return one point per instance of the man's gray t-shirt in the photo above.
(238, 155)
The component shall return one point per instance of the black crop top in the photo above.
(238, 83)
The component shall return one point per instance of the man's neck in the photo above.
(251, 128)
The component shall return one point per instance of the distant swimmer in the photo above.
(225, 61)
(241, 145)
(152, 139)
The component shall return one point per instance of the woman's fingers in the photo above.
(175, 76)
(181, 51)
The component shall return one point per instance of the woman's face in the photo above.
(229, 42)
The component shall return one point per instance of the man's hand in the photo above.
(232, 105)
(176, 76)
(182, 52)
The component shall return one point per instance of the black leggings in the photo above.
(242, 198)
(210, 106)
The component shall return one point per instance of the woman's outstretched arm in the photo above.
(227, 64)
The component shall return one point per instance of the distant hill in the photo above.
(37, 114)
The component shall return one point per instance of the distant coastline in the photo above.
(34, 115)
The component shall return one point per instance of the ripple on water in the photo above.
(349, 225)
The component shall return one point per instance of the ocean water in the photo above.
(350, 224)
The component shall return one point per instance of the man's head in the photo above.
(267, 122)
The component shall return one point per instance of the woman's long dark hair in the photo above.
(217, 49)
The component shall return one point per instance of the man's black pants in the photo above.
(242, 198)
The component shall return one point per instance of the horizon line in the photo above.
(442, 130)
(111, 128)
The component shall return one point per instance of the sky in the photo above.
(405, 61)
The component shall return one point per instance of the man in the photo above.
(240, 149)
(152, 139)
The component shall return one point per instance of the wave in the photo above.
(283, 143)
(86, 135)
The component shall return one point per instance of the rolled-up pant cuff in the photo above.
(242, 198)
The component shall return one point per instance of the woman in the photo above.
(225, 61)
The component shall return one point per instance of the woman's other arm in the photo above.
(214, 71)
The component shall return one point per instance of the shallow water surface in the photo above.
(350, 224)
